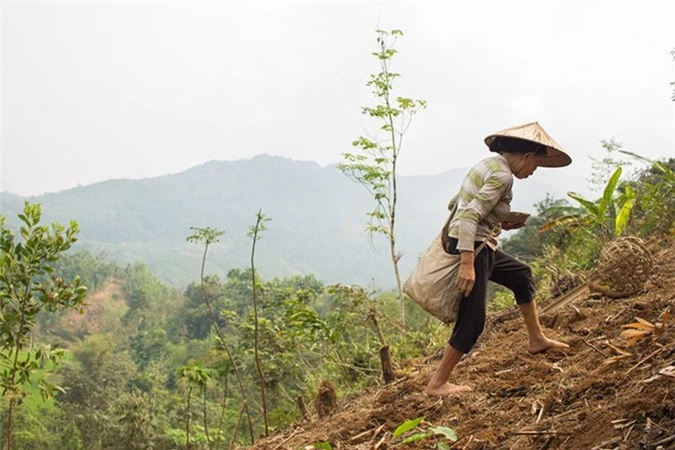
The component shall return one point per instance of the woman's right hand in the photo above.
(466, 277)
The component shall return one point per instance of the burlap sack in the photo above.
(432, 284)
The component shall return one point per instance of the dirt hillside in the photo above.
(102, 313)
(602, 393)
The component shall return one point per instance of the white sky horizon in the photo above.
(92, 91)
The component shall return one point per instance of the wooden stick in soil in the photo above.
(605, 444)
(385, 356)
(567, 413)
(595, 348)
(293, 434)
(665, 441)
(625, 438)
(645, 359)
(470, 441)
(538, 433)
(362, 434)
(303, 408)
(548, 443)
(380, 442)
(375, 432)
(457, 442)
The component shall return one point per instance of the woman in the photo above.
(483, 204)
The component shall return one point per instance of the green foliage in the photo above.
(150, 301)
(196, 319)
(255, 231)
(650, 194)
(407, 426)
(570, 238)
(375, 166)
(502, 299)
(405, 431)
(414, 437)
(196, 374)
(205, 235)
(28, 285)
(96, 381)
(35, 429)
(654, 194)
(92, 270)
(446, 432)
(527, 243)
(130, 383)
(600, 217)
(322, 445)
(574, 237)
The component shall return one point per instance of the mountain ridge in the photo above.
(318, 218)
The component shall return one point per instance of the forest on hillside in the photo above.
(137, 364)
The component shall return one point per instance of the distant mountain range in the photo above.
(318, 219)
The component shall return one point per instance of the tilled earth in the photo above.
(602, 393)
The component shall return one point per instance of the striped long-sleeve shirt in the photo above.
(483, 202)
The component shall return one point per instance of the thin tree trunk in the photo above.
(206, 423)
(187, 424)
(393, 194)
(9, 423)
(395, 258)
(12, 400)
(255, 320)
(223, 408)
(236, 427)
(225, 346)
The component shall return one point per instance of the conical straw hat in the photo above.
(555, 156)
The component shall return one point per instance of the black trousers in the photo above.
(489, 265)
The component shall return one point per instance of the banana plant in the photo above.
(656, 187)
(601, 214)
(667, 173)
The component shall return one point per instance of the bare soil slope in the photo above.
(102, 311)
(590, 396)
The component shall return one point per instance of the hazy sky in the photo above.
(98, 90)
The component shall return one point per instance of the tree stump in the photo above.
(387, 368)
(326, 400)
(385, 357)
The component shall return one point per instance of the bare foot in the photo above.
(447, 389)
(542, 344)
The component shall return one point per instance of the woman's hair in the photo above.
(503, 144)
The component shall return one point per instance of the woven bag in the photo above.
(432, 284)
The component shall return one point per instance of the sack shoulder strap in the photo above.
(444, 230)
